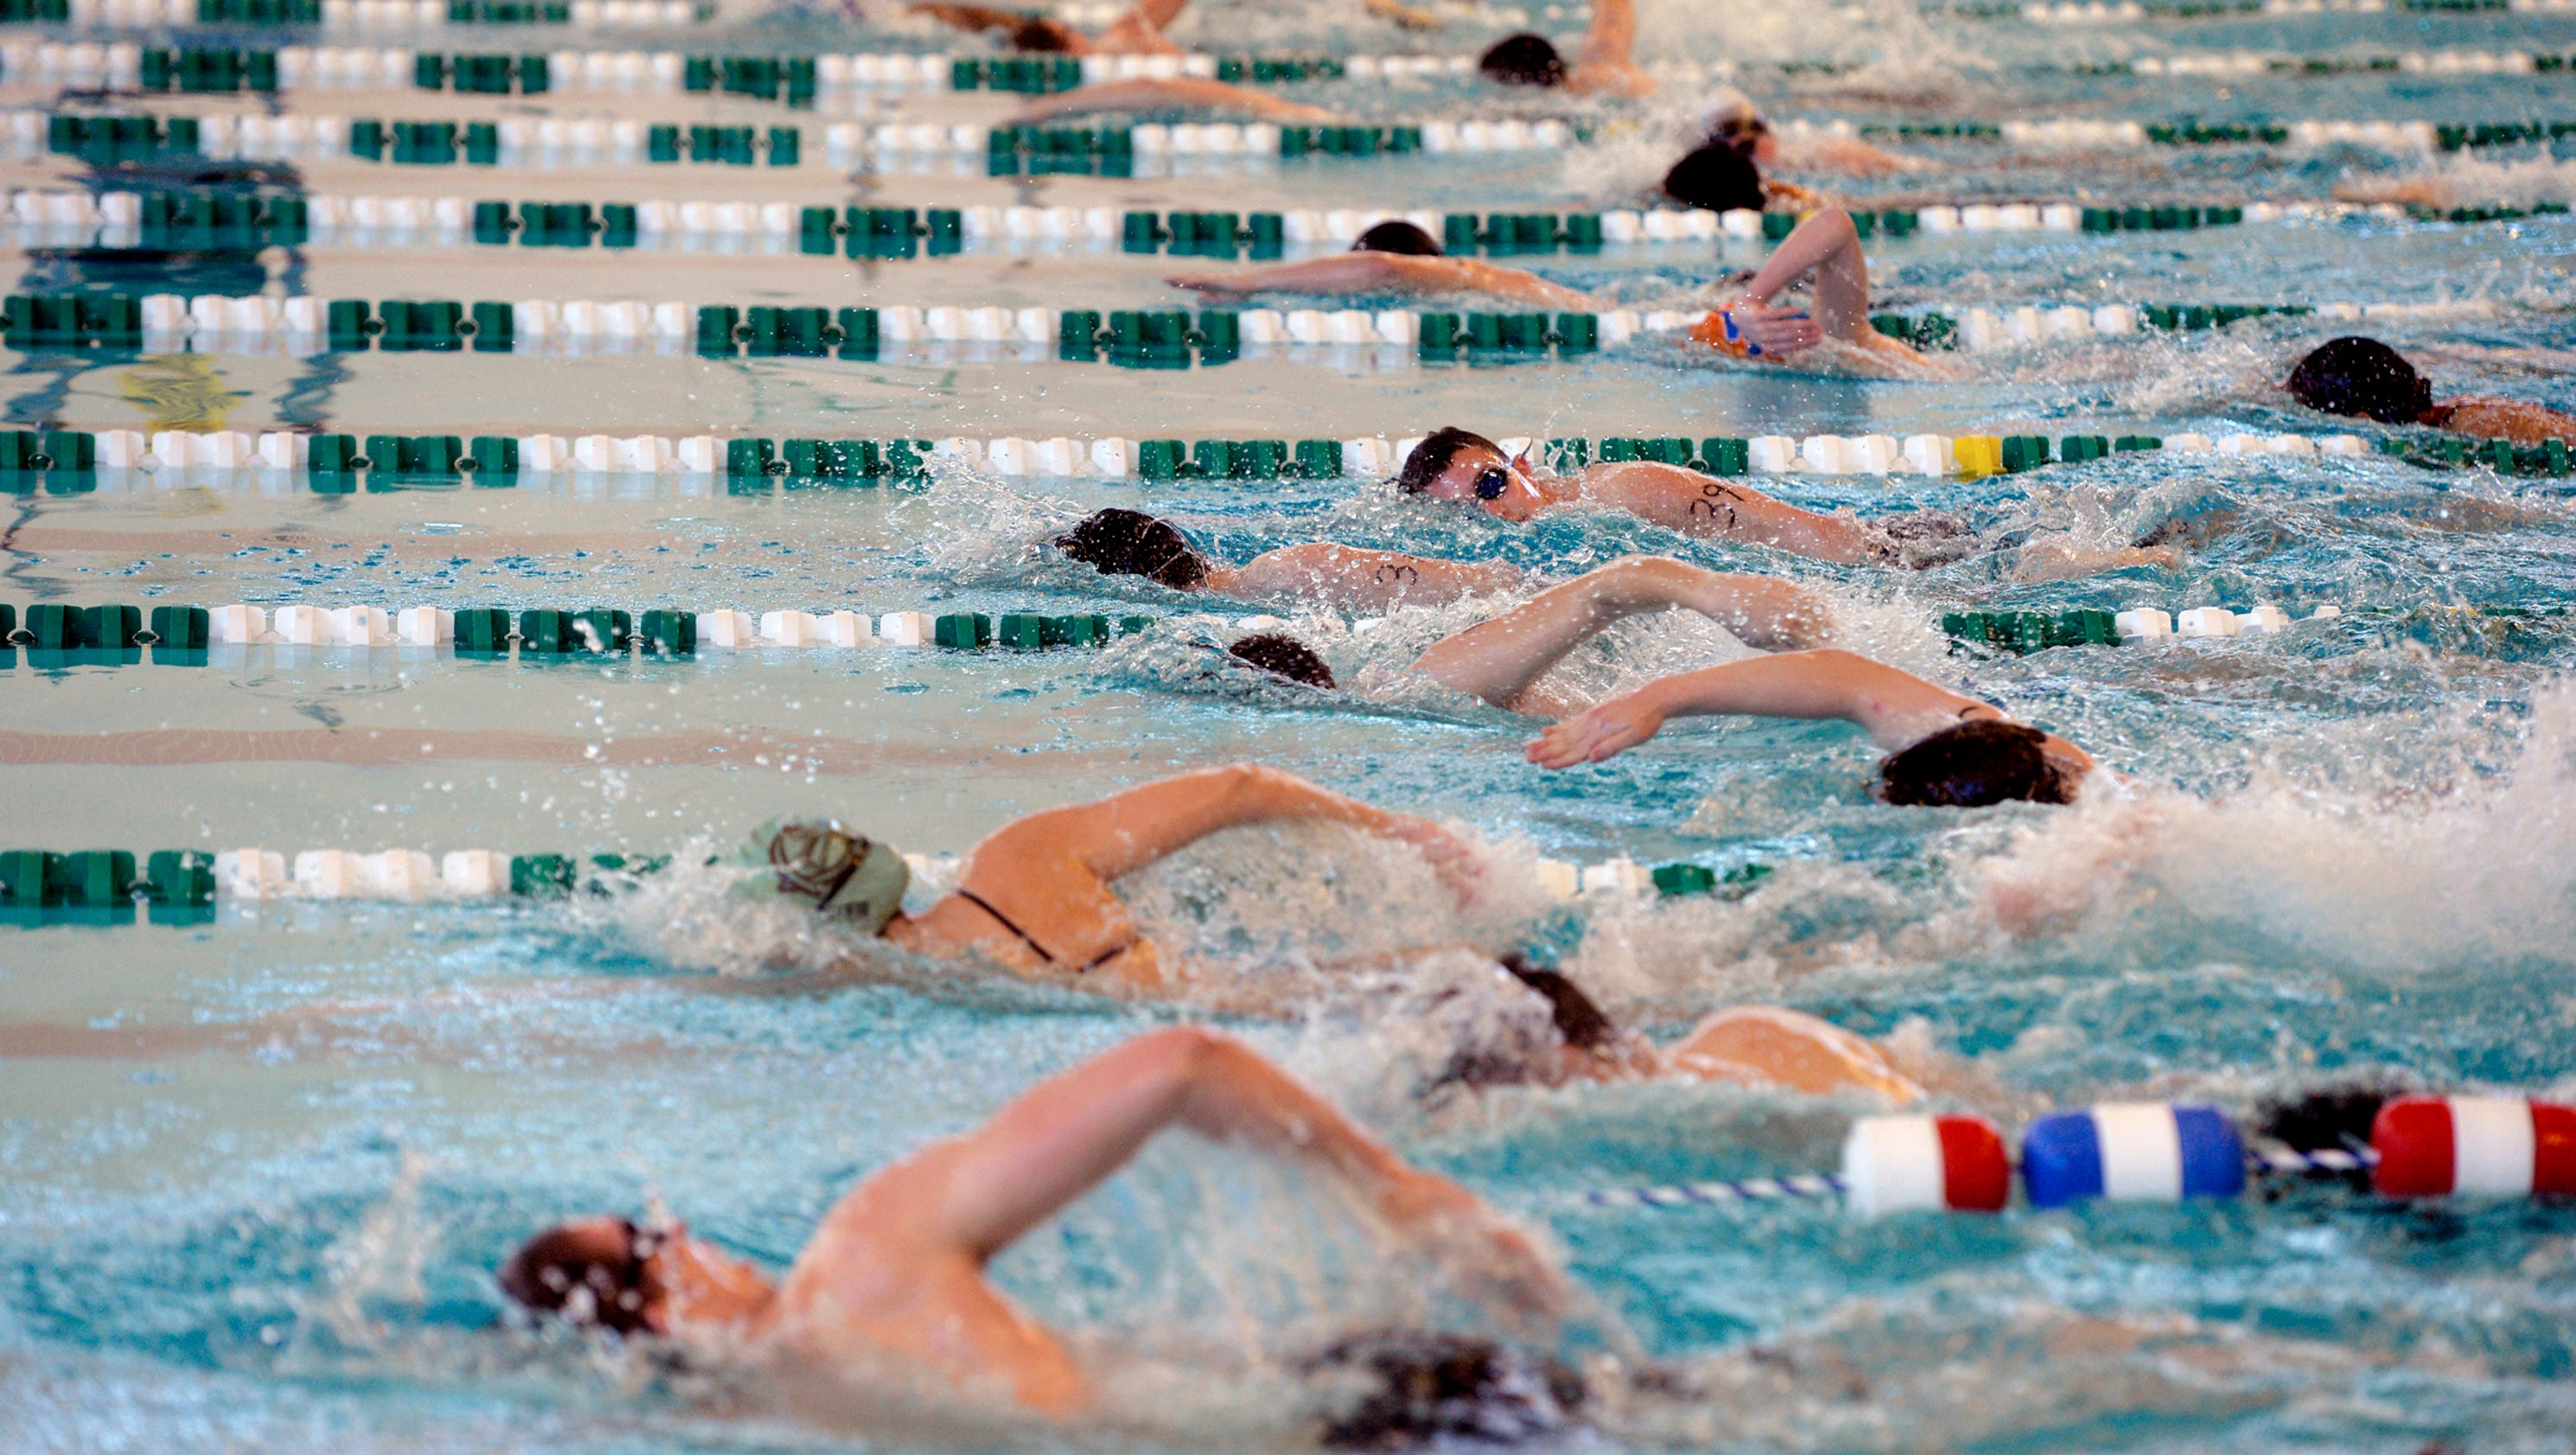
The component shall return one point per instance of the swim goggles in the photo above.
(1492, 482)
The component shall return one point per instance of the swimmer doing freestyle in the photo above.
(1390, 258)
(2366, 379)
(1455, 466)
(1945, 749)
(1034, 899)
(893, 1279)
(1606, 67)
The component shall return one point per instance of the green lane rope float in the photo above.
(123, 324)
(72, 461)
(58, 635)
(115, 139)
(2097, 12)
(247, 221)
(2388, 136)
(355, 14)
(184, 886)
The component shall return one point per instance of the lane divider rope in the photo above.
(74, 461)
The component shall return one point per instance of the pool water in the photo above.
(258, 1171)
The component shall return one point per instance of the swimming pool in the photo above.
(259, 1169)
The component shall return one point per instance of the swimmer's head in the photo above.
(1457, 465)
(1283, 656)
(1717, 177)
(1500, 1043)
(1405, 1390)
(1036, 34)
(2364, 378)
(1523, 60)
(1398, 237)
(1981, 761)
(593, 1273)
(840, 875)
(1748, 135)
(1132, 543)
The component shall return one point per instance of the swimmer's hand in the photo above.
(1478, 1251)
(1605, 731)
(1775, 331)
(1215, 284)
(1452, 858)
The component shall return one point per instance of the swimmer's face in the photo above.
(1482, 477)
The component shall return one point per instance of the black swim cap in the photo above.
(1420, 1389)
(1717, 177)
(2364, 378)
(1132, 543)
(1523, 60)
(1397, 237)
(1981, 761)
(1283, 656)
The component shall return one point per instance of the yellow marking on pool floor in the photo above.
(180, 391)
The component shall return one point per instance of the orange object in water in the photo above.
(1719, 332)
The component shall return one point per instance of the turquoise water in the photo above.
(257, 1172)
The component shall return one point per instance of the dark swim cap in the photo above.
(2364, 378)
(1397, 237)
(1132, 543)
(1283, 656)
(1981, 761)
(1717, 177)
(1523, 60)
(1422, 1389)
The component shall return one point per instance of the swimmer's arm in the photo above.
(1702, 505)
(981, 1192)
(1500, 660)
(1374, 272)
(1848, 155)
(1185, 93)
(1338, 273)
(1125, 832)
(1894, 706)
(2505, 419)
(1608, 62)
(1350, 577)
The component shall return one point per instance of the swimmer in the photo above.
(893, 1278)
(1455, 466)
(1945, 749)
(1147, 95)
(1137, 32)
(1607, 65)
(1722, 178)
(1827, 245)
(1033, 897)
(1759, 1046)
(1736, 124)
(1131, 543)
(1390, 258)
(2366, 379)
